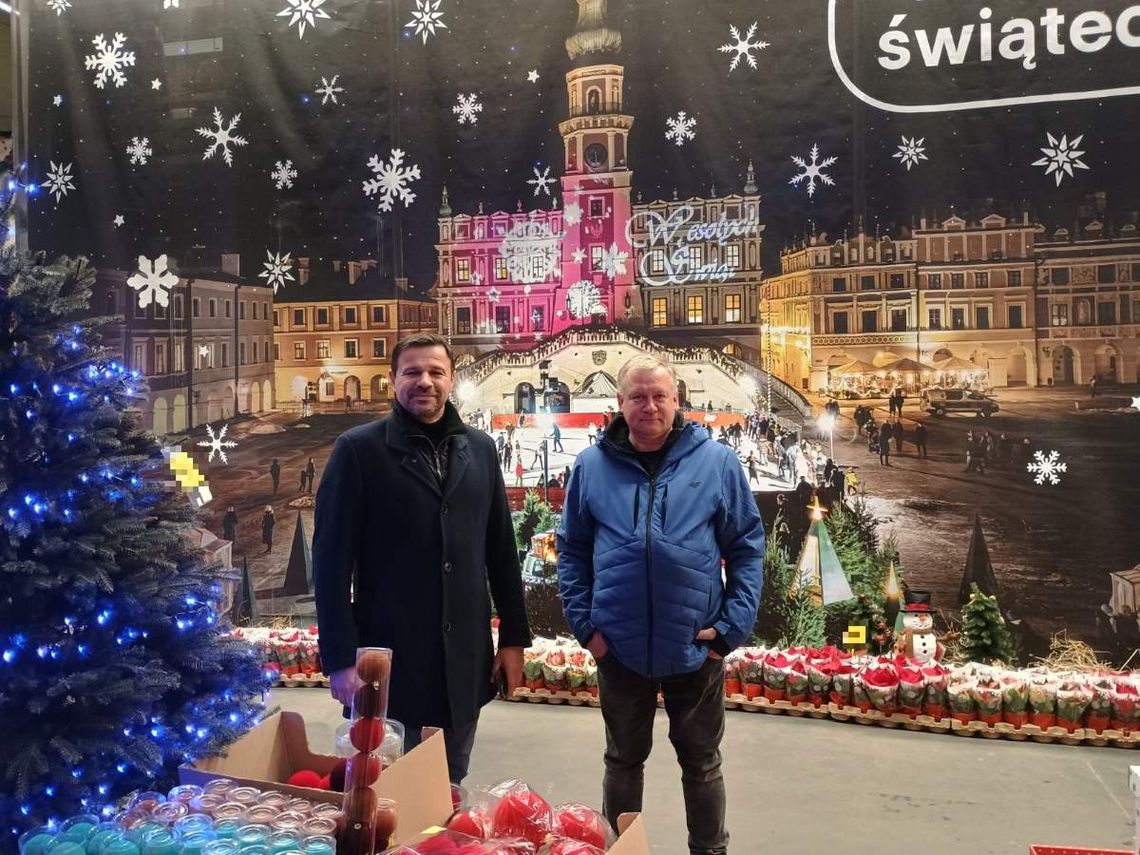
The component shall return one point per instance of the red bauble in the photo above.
(475, 823)
(579, 822)
(305, 778)
(369, 702)
(373, 666)
(326, 784)
(566, 846)
(366, 734)
(362, 770)
(523, 814)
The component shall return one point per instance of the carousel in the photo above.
(878, 379)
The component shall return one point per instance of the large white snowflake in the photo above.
(139, 150)
(391, 180)
(153, 281)
(170, 4)
(467, 108)
(59, 180)
(328, 90)
(680, 128)
(613, 261)
(217, 443)
(1136, 404)
(532, 251)
(743, 47)
(1047, 468)
(813, 171)
(283, 174)
(541, 181)
(426, 18)
(1061, 157)
(223, 137)
(572, 214)
(304, 14)
(59, 6)
(494, 295)
(584, 299)
(278, 270)
(911, 151)
(110, 60)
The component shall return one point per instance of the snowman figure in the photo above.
(916, 638)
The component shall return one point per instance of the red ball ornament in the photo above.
(369, 702)
(366, 734)
(363, 770)
(474, 823)
(373, 665)
(305, 778)
(579, 822)
(523, 814)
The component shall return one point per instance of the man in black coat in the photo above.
(412, 526)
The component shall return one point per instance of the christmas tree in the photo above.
(114, 664)
(786, 617)
(985, 636)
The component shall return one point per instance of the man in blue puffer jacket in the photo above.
(650, 513)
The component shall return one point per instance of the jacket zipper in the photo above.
(664, 507)
(648, 567)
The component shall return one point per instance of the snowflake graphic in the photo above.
(911, 151)
(1061, 158)
(328, 90)
(613, 261)
(169, 4)
(139, 150)
(153, 281)
(813, 170)
(204, 351)
(217, 444)
(476, 278)
(60, 180)
(680, 128)
(1136, 403)
(426, 18)
(278, 270)
(584, 299)
(467, 108)
(1047, 468)
(572, 214)
(283, 174)
(109, 61)
(391, 180)
(743, 47)
(541, 181)
(304, 13)
(579, 255)
(222, 137)
(494, 295)
(59, 6)
(532, 251)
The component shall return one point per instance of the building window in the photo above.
(853, 255)
(870, 321)
(196, 307)
(298, 317)
(229, 311)
(255, 349)
(1059, 315)
(178, 307)
(322, 317)
(597, 207)
(696, 257)
(1016, 317)
(160, 358)
(159, 312)
(463, 321)
(958, 319)
(350, 315)
(1136, 271)
(732, 308)
(659, 311)
(241, 352)
(241, 309)
(1013, 277)
(982, 317)
(502, 319)
(351, 348)
(501, 271)
(276, 317)
(898, 320)
(299, 351)
(839, 284)
(1105, 313)
(934, 317)
(538, 319)
(179, 358)
(276, 352)
(323, 349)
(596, 253)
(255, 311)
(695, 309)
(264, 309)
(657, 261)
(225, 354)
(839, 323)
(732, 256)
(213, 308)
(897, 281)
(934, 281)
(379, 348)
(379, 315)
(140, 358)
(981, 280)
(1106, 274)
(1060, 276)
(866, 283)
(463, 270)
(140, 311)
(957, 280)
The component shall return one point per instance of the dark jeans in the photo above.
(457, 740)
(695, 706)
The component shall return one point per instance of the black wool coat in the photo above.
(401, 562)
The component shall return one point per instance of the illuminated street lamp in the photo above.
(827, 422)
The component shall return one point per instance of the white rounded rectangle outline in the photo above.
(956, 105)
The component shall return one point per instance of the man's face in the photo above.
(422, 381)
(649, 403)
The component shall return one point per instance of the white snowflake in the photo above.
(680, 128)
(911, 151)
(110, 60)
(584, 299)
(1061, 158)
(59, 6)
(743, 47)
(1136, 403)
(60, 180)
(283, 174)
(813, 170)
(169, 4)
(223, 136)
(304, 13)
(217, 444)
(153, 281)
(532, 251)
(139, 150)
(426, 18)
(494, 294)
(328, 90)
(541, 180)
(1047, 468)
(613, 261)
(476, 278)
(391, 180)
(204, 351)
(572, 214)
(278, 270)
(579, 255)
(467, 108)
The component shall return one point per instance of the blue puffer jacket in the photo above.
(639, 558)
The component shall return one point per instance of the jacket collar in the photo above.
(402, 425)
(683, 438)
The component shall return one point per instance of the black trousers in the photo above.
(695, 706)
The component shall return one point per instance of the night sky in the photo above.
(399, 91)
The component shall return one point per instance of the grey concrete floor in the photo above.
(799, 786)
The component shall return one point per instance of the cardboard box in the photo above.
(270, 753)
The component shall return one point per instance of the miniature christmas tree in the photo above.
(114, 664)
(985, 636)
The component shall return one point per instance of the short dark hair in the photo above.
(421, 340)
